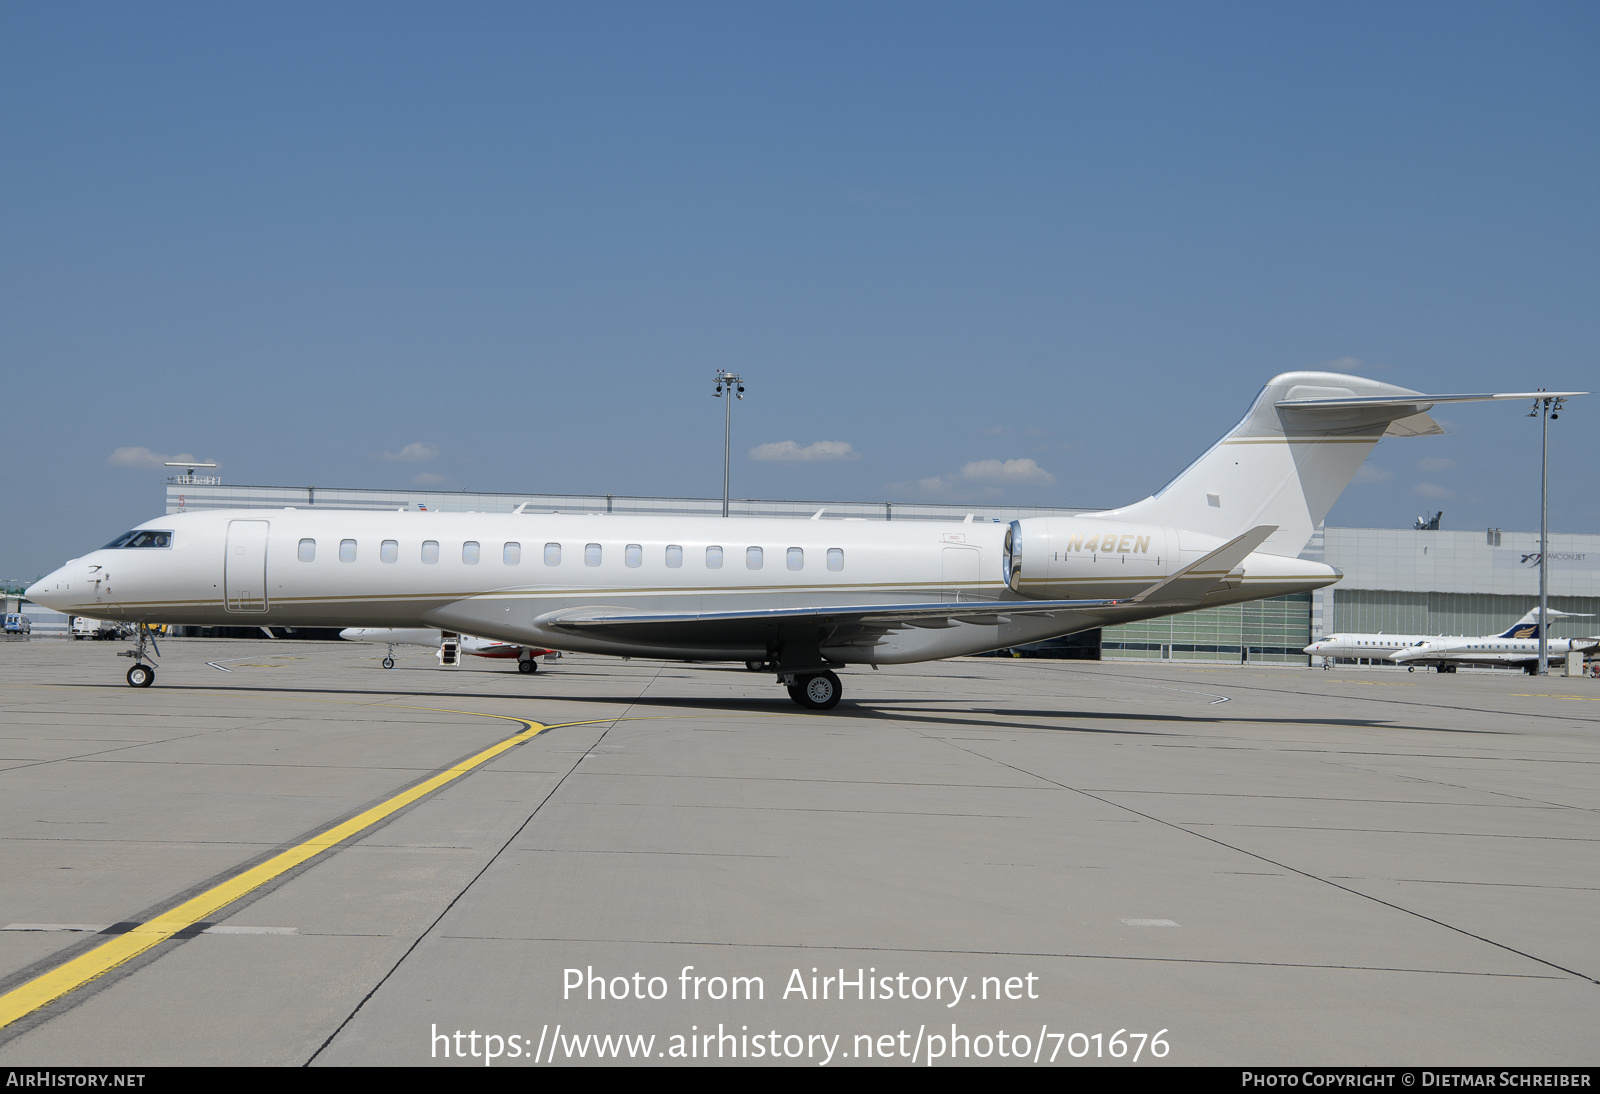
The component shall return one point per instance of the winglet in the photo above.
(1203, 574)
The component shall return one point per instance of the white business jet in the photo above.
(526, 656)
(1517, 645)
(801, 598)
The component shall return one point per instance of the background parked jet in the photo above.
(1517, 645)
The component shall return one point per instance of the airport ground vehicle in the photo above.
(85, 627)
(17, 623)
(448, 647)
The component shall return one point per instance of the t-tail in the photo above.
(1287, 462)
(1529, 627)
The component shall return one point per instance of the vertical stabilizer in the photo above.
(1528, 626)
(1285, 464)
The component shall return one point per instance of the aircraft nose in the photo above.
(45, 591)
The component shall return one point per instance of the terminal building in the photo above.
(1396, 581)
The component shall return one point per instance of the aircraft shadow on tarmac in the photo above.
(886, 709)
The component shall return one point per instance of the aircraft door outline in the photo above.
(244, 567)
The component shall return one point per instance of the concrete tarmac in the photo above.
(1003, 861)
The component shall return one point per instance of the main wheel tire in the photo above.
(527, 664)
(818, 691)
(388, 662)
(1411, 668)
(141, 676)
(754, 666)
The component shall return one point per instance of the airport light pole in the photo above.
(735, 386)
(1545, 407)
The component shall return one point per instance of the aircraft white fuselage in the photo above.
(245, 567)
(798, 596)
(1489, 650)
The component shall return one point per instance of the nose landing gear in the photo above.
(141, 675)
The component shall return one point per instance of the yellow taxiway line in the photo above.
(73, 974)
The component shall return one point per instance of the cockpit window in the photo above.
(140, 537)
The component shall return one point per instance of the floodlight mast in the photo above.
(735, 386)
(1545, 408)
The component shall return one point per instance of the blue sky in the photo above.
(512, 242)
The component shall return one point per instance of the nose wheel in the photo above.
(142, 675)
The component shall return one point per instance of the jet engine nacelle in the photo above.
(1052, 558)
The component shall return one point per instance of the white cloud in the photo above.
(1436, 463)
(1429, 490)
(988, 476)
(1007, 473)
(1369, 473)
(415, 452)
(790, 452)
(140, 456)
(427, 478)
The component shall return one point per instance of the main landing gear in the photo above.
(527, 664)
(141, 675)
(816, 691)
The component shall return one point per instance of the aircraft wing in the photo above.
(851, 621)
(687, 626)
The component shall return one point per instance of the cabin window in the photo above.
(796, 557)
(713, 558)
(835, 559)
(308, 550)
(552, 554)
(674, 555)
(347, 550)
(430, 551)
(752, 558)
(591, 554)
(389, 551)
(511, 555)
(469, 552)
(633, 554)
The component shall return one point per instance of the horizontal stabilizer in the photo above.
(1190, 584)
(1296, 449)
(1420, 401)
